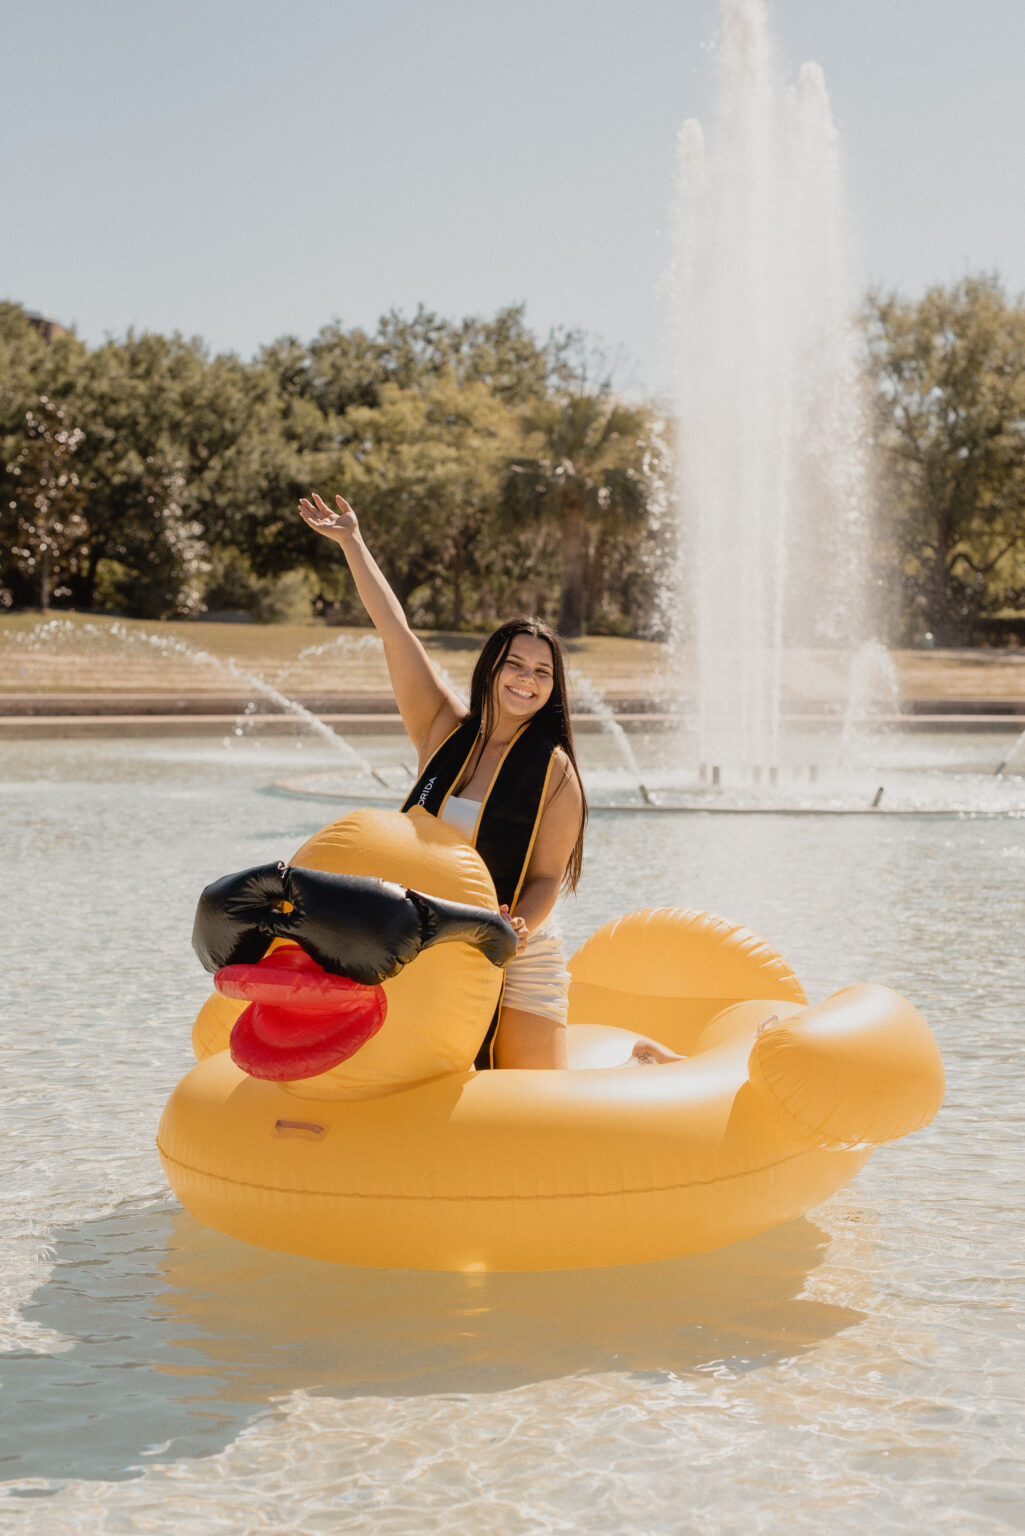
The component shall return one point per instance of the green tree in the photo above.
(950, 425)
(184, 452)
(46, 527)
(424, 468)
(139, 473)
(30, 368)
(340, 369)
(500, 353)
(585, 472)
(337, 370)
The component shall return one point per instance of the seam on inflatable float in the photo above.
(811, 1130)
(846, 1144)
(840, 1144)
(573, 1194)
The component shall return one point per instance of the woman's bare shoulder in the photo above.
(562, 764)
(564, 781)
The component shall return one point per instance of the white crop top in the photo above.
(461, 814)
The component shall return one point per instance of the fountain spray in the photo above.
(770, 449)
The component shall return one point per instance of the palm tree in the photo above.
(585, 473)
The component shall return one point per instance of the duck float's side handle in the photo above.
(351, 925)
(859, 1069)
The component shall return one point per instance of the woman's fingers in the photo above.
(311, 513)
(319, 515)
(519, 927)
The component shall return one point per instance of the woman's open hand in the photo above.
(518, 926)
(334, 525)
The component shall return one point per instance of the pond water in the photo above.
(858, 1370)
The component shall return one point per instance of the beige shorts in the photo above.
(537, 981)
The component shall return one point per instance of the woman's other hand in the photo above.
(518, 926)
(338, 525)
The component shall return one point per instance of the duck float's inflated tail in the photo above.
(335, 1112)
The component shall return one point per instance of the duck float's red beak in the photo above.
(301, 1020)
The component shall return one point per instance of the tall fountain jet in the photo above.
(771, 437)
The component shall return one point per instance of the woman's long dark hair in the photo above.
(553, 714)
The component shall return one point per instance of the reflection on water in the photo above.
(176, 1338)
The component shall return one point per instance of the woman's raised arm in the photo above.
(429, 710)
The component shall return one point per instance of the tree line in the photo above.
(493, 472)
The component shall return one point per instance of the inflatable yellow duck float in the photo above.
(334, 1110)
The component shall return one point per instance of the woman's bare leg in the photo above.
(529, 1040)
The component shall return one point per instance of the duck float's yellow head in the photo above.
(424, 1020)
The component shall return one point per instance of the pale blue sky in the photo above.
(239, 169)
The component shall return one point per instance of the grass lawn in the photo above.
(75, 653)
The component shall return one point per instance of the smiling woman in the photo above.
(504, 774)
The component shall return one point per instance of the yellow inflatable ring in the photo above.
(411, 1159)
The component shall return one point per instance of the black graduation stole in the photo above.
(510, 813)
(511, 810)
